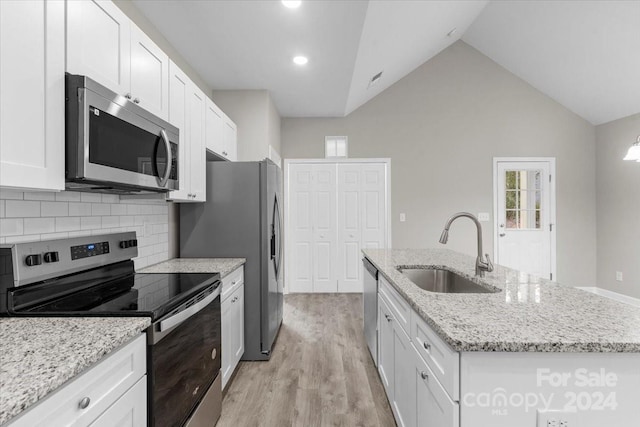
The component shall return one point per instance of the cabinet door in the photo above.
(32, 88)
(99, 43)
(214, 128)
(178, 116)
(149, 74)
(197, 155)
(227, 319)
(433, 406)
(238, 325)
(128, 411)
(230, 140)
(404, 398)
(385, 347)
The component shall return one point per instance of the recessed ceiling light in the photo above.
(300, 60)
(292, 4)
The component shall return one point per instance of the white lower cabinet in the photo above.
(395, 364)
(232, 323)
(129, 411)
(416, 396)
(433, 406)
(113, 392)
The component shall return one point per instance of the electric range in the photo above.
(95, 276)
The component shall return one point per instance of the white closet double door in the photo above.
(335, 210)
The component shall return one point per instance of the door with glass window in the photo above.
(525, 216)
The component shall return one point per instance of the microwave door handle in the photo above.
(167, 172)
(180, 317)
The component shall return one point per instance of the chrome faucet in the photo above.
(481, 264)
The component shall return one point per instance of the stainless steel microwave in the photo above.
(115, 146)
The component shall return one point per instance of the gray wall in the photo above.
(618, 207)
(441, 126)
(257, 119)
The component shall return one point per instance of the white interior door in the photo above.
(362, 218)
(335, 209)
(324, 228)
(300, 229)
(525, 216)
(349, 258)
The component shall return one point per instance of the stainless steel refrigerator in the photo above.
(242, 217)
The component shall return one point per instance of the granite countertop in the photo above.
(224, 266)
(528, 314)
(39, 354)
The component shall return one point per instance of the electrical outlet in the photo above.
(553, 418)
(403, 217)
(619, 276)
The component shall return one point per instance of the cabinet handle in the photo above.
(137, 100)
(84, 403)
(426, 346)
(424, 375)
(128, 96)
(389, 318)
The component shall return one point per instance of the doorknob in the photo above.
(502, 234)
(501, 225)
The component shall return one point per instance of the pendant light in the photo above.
(634, 151)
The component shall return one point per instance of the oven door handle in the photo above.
(180, 317)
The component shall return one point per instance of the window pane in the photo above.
(511, 199)
(538, 224)
(511, 179)
(512, 218)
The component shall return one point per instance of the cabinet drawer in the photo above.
(399, 306)
(231, 282)
(103, 384)
(443, 361)
(434, 407)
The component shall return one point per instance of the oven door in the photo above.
(119, 144)
(184, 359)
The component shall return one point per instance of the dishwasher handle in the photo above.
(370, 268)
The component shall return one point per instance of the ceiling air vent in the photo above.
(375, 79)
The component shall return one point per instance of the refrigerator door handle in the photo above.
(278, 235)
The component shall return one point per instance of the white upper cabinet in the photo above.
(195, 132)
(187, 112)
(32, 88)
(103, 44)
(221, 132)
(99, 43)
(214, 128)
(178, 116)
(149, 74)
(230, 139)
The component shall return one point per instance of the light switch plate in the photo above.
(484, 217)
(619, 276)
(553, 418)
(403, 217)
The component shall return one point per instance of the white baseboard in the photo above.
(612, 295)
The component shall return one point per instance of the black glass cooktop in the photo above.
(136, 294)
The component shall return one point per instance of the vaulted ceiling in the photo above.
(583, 54)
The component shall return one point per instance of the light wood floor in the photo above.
(320, 372)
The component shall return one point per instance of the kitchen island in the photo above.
(531, 351)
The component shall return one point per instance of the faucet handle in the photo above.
(489, 263)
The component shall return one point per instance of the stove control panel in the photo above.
(36, 261)
(90, 249)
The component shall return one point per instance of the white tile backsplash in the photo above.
(32, 216)
(22, 209)
(39, 225)
(54, 208)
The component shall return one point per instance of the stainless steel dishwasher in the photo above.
(370, 307)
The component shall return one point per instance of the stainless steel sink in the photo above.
(444, 281)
